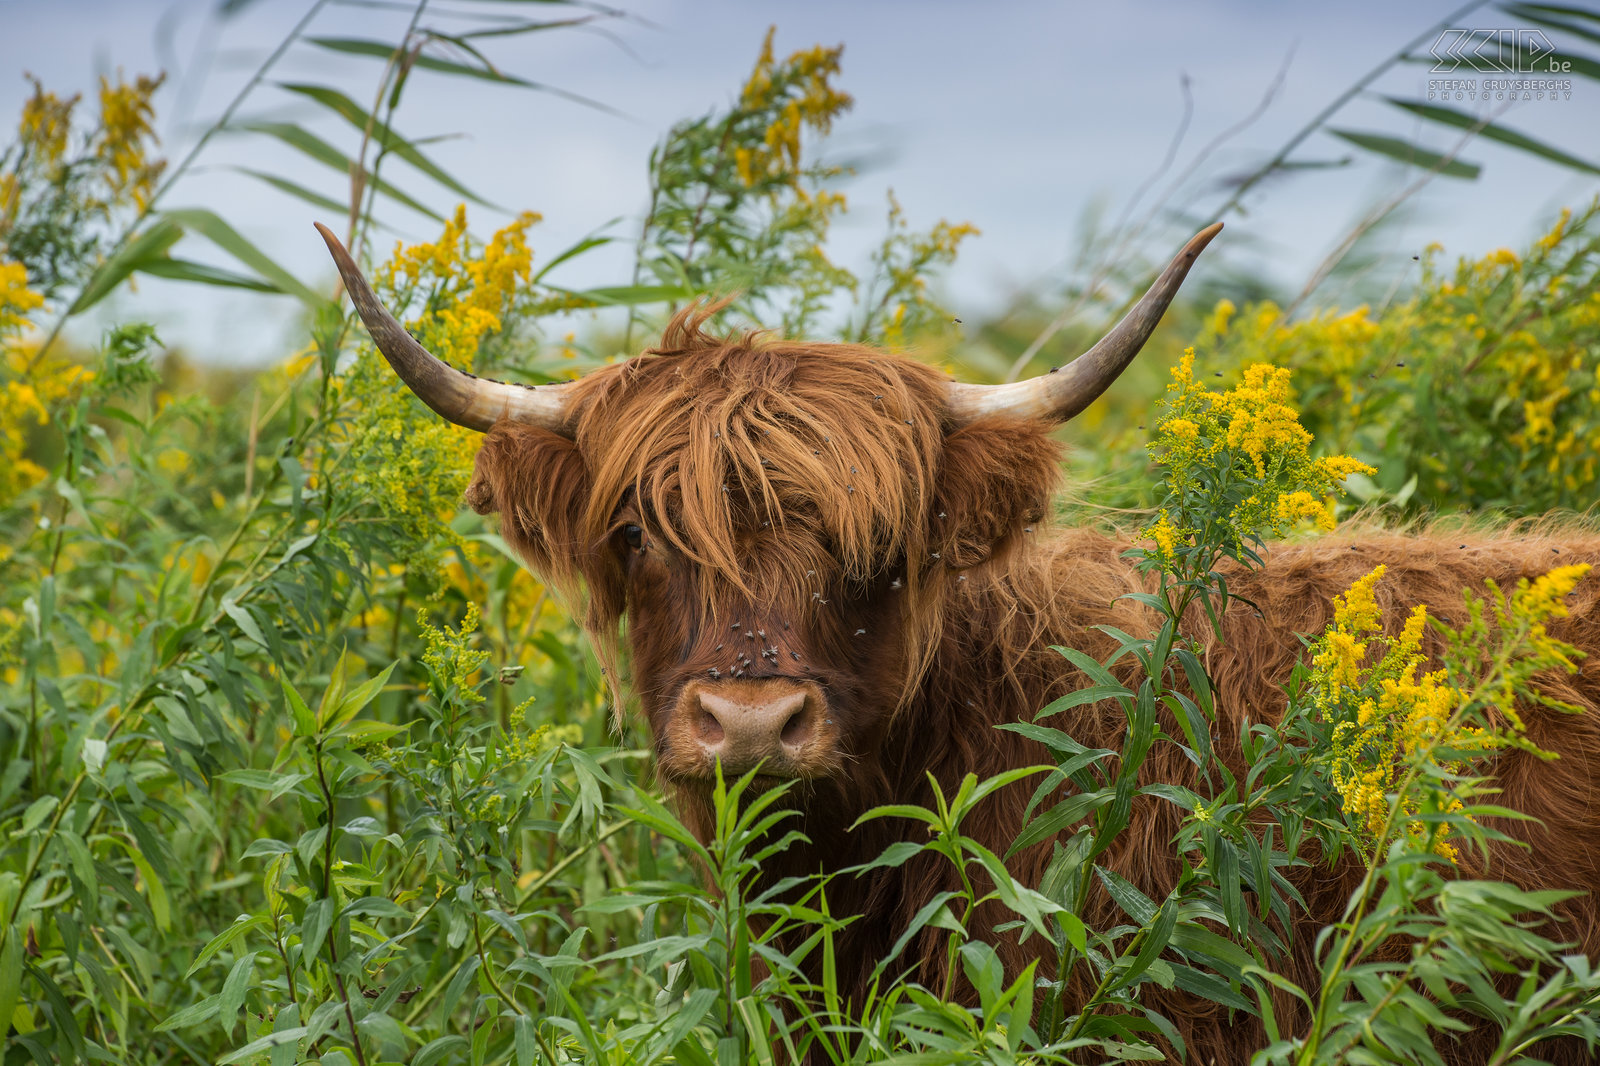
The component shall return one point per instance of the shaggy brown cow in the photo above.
(829, 562)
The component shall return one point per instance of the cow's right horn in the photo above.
(1058, 395)
(474, 402)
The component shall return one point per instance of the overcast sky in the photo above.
(1016, 116)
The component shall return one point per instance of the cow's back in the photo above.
(996, 660)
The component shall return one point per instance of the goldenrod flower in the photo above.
(1391, 719)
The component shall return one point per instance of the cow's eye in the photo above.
(634, 536)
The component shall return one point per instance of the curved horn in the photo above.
(465, 399)
(1059, 395)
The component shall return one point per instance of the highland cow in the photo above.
(832, 563)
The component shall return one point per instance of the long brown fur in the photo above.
(817, 495)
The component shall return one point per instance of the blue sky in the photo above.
(1016, 116)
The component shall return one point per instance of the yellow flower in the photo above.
(790, 97)
(1392, 720)
(1221, 315)
(1546, 597)
(126, 134)
(173, 460)
(1357, 611)
(1340, 659)
(16, 298)
(1182, 429)
(1294, 506)
(46, 124)
(1165, 536)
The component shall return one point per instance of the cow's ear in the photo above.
(538, 482)
(995, 480)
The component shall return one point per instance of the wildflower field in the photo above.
(299, 764)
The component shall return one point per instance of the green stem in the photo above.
(327, 893)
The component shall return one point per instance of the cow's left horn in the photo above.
(473, 402)
(1059, 395)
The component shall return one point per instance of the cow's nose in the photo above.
(774, 728)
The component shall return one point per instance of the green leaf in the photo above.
(1057, 818)
(191, 1015)
(1089, 694)
(1556, 16)
(155, 891)
(1228, 884)
(896, 854)
(899, 810)
(571, 253)
(147, 246)
(202, 274)
(241, 925)
(357, 698)
(1154, 943)
(1449, 116)
(527, 1050)
(995, 783)
(234, 989)
(211, 226)
(300, 192)
(266, 1043)
(314, 926)
(629, 295)
(245, 621)
(1077, 933)
(323, 152)
(1411, 155)
(379, 50)
(37, 812)
(11, 937)
(305, 723)
(362, 120)
(1138, 906)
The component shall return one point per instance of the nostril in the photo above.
(797, 729)
(710, 728)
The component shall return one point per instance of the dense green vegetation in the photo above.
(298, 764)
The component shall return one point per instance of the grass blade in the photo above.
(211, 226)
(1449, 116)
(357, 116)
(323, 152)
(201, 273)
(1412, 155)
(379, 50)
(150, 245)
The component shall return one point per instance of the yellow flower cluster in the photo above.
(115, 165)
(790, 97)
(1386, 716)
(126, 135)
(1254, 432)
(467, 295)
(1165, 536)
(1391, 718)
(28, 389)
(523, 744)
(16, 299)
(449, 655)
(1260, 420)
(46, 124)
(1427, 379)
(1534, 604)
(413, 464)
(906, 259)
